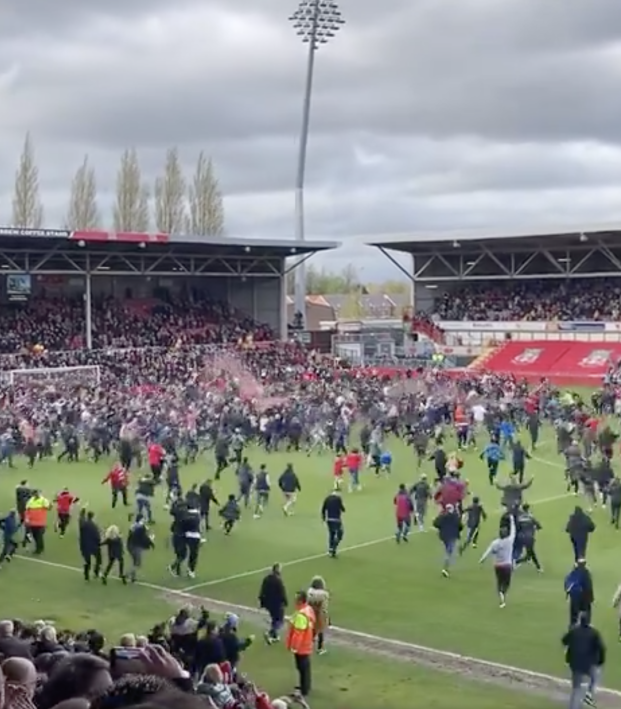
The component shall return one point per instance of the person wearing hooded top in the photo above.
(501, 550)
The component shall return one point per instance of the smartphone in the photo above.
(126, 653)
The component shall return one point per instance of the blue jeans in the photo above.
(277, 619)
(581, 685)
(403, 528)
(143, 508)
(449, 552)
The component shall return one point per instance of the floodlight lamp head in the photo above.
(317, 21)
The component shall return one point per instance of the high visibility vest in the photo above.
(36, 512)
(302, 631)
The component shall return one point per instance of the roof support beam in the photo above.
(411, 276)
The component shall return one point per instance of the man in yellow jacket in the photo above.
(35, 520)
(300, 640)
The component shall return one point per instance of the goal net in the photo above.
(86, 376)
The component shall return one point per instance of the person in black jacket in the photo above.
(116, 553)
(332, 512)
(527, 528)
(209, 650)
(289, 484)
(519, 456)
(233, 644)
(207, 498)
(10, 645)
(139, 540)
(90, 543)
(585, 656)
(440, 461)
(579, 527)
(449, 526)
(273, 598)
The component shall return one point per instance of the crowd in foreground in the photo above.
(546, 300)
(188, 662)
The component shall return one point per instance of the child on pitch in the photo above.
(230, 513)
(354, 462)
(385, 462)
(338, 470)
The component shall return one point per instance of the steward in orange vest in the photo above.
(35, 519)
(300, 640)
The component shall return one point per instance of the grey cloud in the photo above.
(431, 72)
(40, 18)
(426, 115)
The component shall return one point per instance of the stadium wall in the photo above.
(563, 363)
(480, 333)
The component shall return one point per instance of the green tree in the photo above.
(326, 282)
(83, 213)
(205, 199)
(131, 208)
(169, 196)
(395, 287)
(27, 207)
(352, 308)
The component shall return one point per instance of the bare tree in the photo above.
(27, 207)
(83, 212)
(131, 210)
(205, 197)
(170, 196)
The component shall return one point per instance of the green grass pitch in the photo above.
(377, 586)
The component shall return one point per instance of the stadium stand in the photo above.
(59, 323)
(578, 299)
(43, 667)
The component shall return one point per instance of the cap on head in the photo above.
(231, 620)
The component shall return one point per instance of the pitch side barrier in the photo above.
(53, 366)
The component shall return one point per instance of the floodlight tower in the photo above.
(316, 23)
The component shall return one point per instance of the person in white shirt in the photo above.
(501, 550)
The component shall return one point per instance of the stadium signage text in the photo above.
(23, 231)
(528, 326)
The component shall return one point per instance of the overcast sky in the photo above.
(427, 115)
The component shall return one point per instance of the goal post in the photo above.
(85, 375)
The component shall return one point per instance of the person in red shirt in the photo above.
(404, 508)
(119, 482)
(353, 461)
(452, 492)
(64, 502)
(156, 460)
(338, 470)
(589, 437)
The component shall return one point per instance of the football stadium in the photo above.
(140, 372)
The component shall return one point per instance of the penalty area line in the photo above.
(315, 557)
(293, 562)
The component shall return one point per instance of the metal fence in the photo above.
(379, 349)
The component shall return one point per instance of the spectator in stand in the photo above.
(577, 299)
(10, 644)
(20, 677)
(57, 323)
(73, 678)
